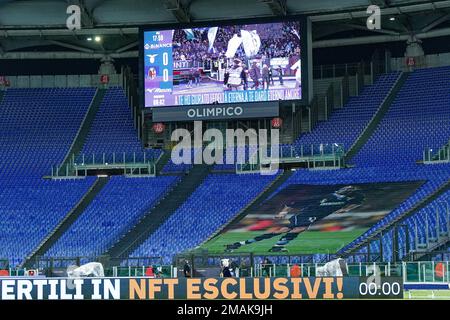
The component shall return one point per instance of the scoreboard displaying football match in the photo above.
(234, 63)
(158, 68)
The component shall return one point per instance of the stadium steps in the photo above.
(441, 245)
(377, 117)
(66, 222)
(83, 131)
(264, 195)
(156, 215)
(165, 157)
(320, 88)
(418, 206)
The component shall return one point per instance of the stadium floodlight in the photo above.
(98, 39)
(89, 39)
(392, 18)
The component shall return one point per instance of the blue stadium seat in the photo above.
(419, 118)
(346, 124)
(113, 131)
(217, 200)
(120, 204)
(37, 127)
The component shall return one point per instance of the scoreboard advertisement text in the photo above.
(329, 288)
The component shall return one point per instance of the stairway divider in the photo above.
(158, 214)
(377, 117)
(85, 127)
(67, 221)
(257, 201)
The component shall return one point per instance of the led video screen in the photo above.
(312, 219)
(223, 64)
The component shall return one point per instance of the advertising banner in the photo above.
(199, 288)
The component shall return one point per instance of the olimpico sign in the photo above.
(216, 112)
(203, 113)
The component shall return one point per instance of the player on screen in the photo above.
(281, 215)
(244, 76)
(255, 74)
(271, 76)
(280, 75)
(235, 75)
(301, 219)
(197, 77)
(265, 77)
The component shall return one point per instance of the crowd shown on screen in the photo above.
(196, 49)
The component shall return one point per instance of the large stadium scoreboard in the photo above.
(252, 65)
(158, 68)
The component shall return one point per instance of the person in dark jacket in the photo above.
(244, 76)
(226, 272)
(280, 75)
(255, 74)
(197, 77)
(187, 269)
(226, 76)
(271, 76)
(266, 77)
(267, 265)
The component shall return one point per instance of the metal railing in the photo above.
(416, 272)
(131, 164)
(312, 150)
(339, 70)
(312, 156)
(421, 271)
(442, 155)
(131, 266)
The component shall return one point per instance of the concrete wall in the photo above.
(430, 61)
(62, 81)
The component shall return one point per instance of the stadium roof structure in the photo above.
(29, 28)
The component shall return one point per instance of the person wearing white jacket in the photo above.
(298, 74)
